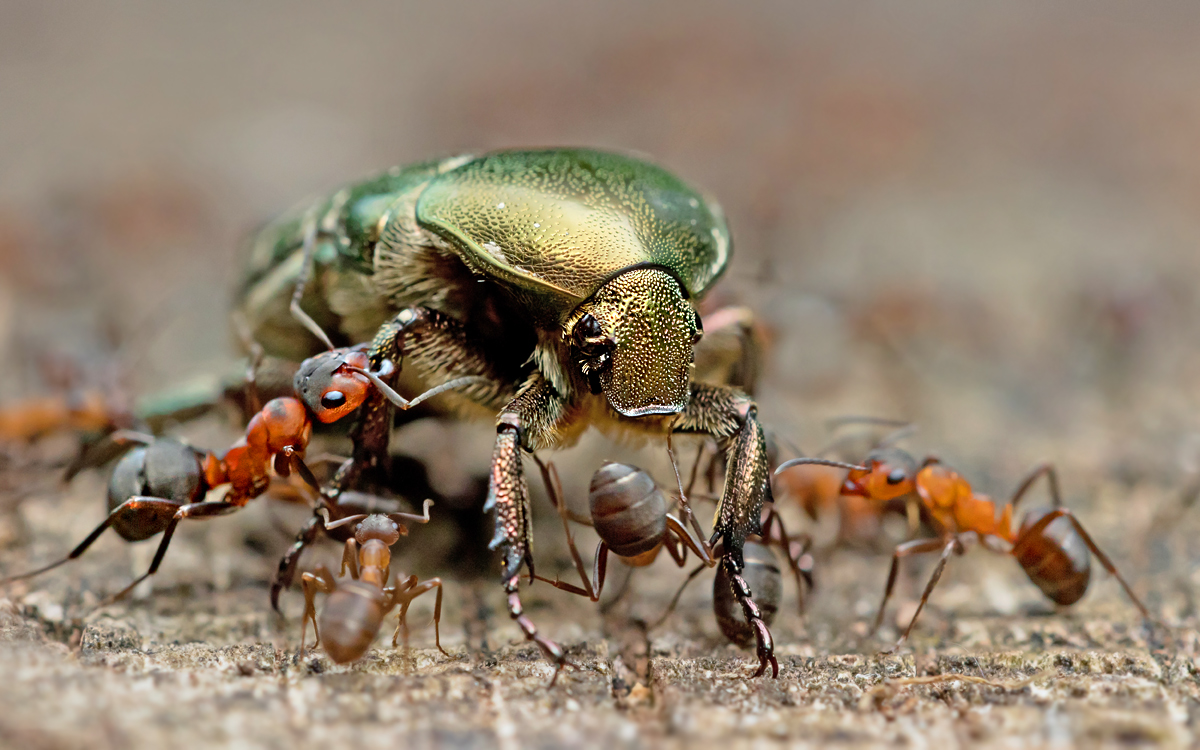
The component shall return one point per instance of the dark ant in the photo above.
(356, 605)
(162, 482)
(1051, 544)
(629, 512)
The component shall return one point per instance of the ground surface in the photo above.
(980, 218)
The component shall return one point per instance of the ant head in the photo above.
(377, 526)
(327, 385)
(890, 474)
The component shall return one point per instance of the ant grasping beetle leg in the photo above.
(163, 482)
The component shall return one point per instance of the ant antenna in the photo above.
(819, 462)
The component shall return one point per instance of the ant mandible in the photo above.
(357, 604)
(1051, 544)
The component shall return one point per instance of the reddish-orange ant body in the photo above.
(1050, 544)
(163, 481)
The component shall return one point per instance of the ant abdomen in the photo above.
(763, 575)
(629, 511)
(352, 617)
(165, 469)
(1056, 559)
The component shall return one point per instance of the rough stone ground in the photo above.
(979, 217)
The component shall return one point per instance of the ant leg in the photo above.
(698, 546)
(287, 564)
(324, 582)
(350, 559)
(1039, 527)
(309, 248)
(554, 490)
(1051, 476)
(695, 468)
(799, 560)
(688, 516)
(915, 547)
(952, 545)
(404, 594)
(151, 506)
(591, 589)
(675, 599)
(205, 509)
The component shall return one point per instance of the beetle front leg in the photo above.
(524, 424)
(731, 417)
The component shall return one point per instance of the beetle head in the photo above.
(633, 341)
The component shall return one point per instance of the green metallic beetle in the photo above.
(556, 289)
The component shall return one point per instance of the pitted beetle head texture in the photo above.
(652, 327)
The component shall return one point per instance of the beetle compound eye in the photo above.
(332, 399)
(588, 328)
(896, 476)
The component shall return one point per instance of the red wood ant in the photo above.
(162, 482)
(1051, 544)
(357, 604)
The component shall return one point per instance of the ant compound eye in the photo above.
(896, 476)
(333, 399)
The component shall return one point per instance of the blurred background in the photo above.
(983, 219)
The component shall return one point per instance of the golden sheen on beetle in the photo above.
(553, 290)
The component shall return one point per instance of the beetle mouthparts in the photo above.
(650, 410)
